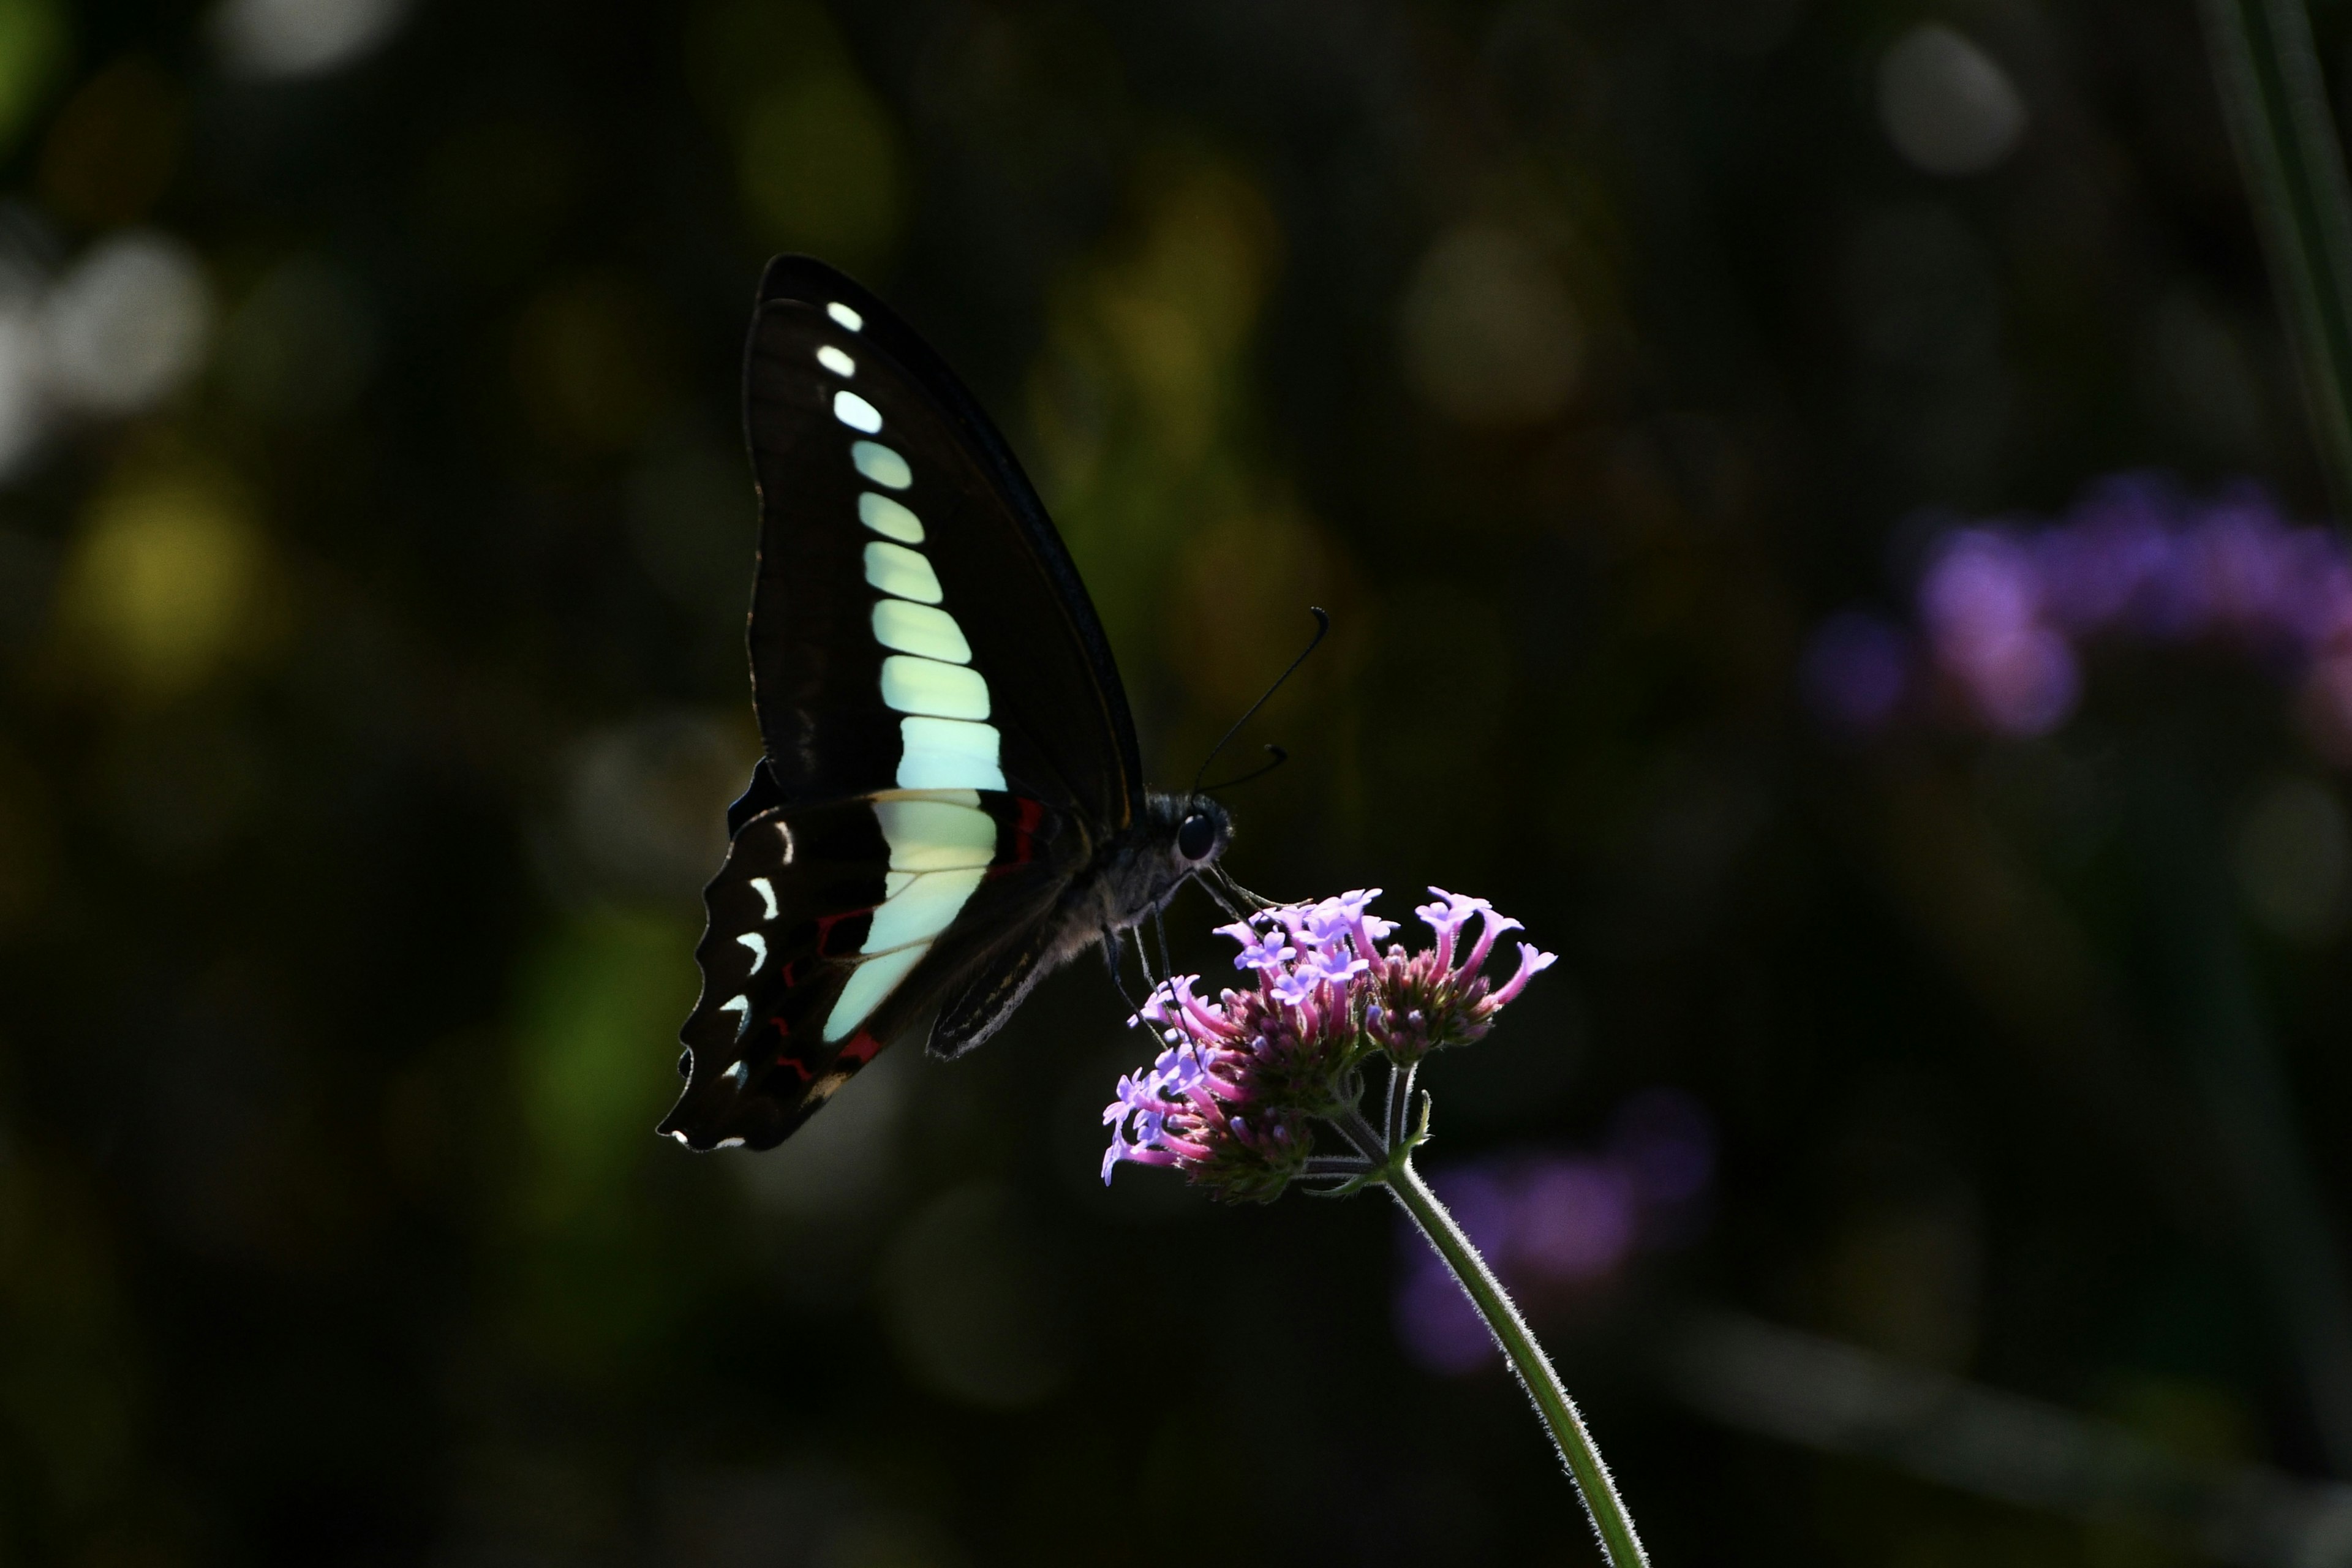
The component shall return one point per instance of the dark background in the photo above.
(373, 547)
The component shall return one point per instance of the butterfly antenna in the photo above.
(1280, 757)
(1322, 626)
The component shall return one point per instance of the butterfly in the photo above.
(950, 803)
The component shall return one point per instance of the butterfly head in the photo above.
(1186, 834)
(1203, 832)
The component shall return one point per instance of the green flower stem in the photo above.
(1601, 1504)
(2275, 100)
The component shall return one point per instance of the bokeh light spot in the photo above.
(165, 583)
(2290, 853)
(128, 324)
(589, 1001)
(1947, 105)
(301, 38)
(1490, 335)
(821, 169)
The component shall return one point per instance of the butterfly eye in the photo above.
(1195, 836)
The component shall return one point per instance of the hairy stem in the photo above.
(1611, 1522)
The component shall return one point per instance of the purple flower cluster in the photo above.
(2004, 610)
(1230, 1101)
(1557, 1225)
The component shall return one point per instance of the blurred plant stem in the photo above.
(1611, 1522)
(2216, 1013)
(2275, 98)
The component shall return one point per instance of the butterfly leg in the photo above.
(1114, 952)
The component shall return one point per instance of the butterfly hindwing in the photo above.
(838, 928)
(916, 621)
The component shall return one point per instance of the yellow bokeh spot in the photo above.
(165, 582)
(1141, 403)
(821, 168)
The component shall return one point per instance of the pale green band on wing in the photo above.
(911, 685)
(844, 315)
(834, 359)
(895, 568)
(856, 413)
(922, 909)
(870, 982)
(881, 464)
(936, 834)
(889, 519)
(939, 854)
(919, 629)
(948, 753)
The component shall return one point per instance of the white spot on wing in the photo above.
(738, 1074)
(758, 946)
(899, 570)
(948, 753)
(728, 1144)
(767, 891)
(741, 1005)
(889, 519)
(880, 464)
(855, 412)
(919, 629)
(834, 359)
(845, 316)
(912, 685)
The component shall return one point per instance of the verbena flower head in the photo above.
(1231, 1099)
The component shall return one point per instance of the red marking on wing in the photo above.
(787, 1059)
(1025, 834)
(861, 1048)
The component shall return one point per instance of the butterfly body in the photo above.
(949, 806)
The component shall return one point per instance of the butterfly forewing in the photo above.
(947, 739)
(904, 555)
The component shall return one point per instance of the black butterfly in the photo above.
(951, 804)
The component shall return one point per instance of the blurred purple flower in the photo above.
(1575, 1221)
(1982, 607)
(1556, 1222)
(2003, 611)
